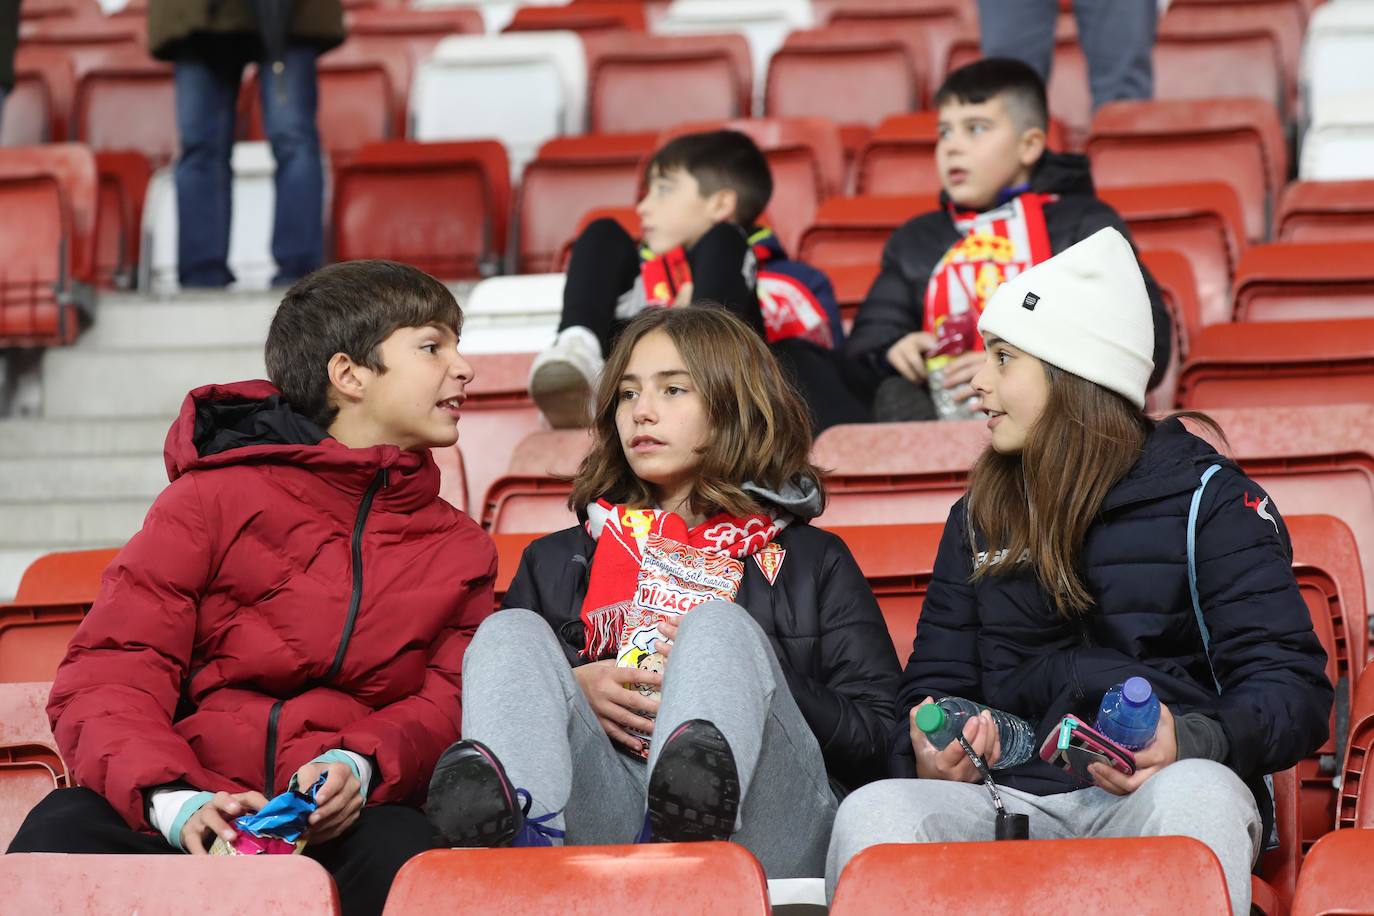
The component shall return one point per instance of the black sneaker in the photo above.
(471, 801)
(694, 788)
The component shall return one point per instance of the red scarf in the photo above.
(996, 245)
(624, 537)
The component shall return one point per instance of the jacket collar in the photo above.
(1171, 462)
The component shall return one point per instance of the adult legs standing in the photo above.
(1118, 38)
(207, 90)
(1021, 29)
(289, 105)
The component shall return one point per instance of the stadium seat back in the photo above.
(1211, 66)
(1174, 275)
(22, 786)
(806, 81)
(937, 26)
(45, 82)
(1338, 144)
(124, 178)
(852, 231)
(497, 416)
(531, 496)
(1335, 876)
(1326, 211)
(764, 24)
(1306, 282)
(627, 94)
(897, 561)
(582, 17)
(109, 88)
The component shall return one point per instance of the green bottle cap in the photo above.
(930, 718)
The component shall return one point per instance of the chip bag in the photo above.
(275, 830)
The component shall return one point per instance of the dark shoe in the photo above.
(694, 789)
(471, 802)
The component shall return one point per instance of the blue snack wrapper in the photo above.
(285, 817)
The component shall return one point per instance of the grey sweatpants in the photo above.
(1117, 37)
(1194, 798)
(521, 700)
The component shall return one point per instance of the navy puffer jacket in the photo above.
(1002, 642)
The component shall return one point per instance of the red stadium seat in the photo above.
(439, 206)
(810, 80)
(1326, 211)
(1201, 220)
(1238, 141)
(579, 880)
(1335, 877)
(851, 284)
(79, 35)
(409, 35)
(50, 249)
(1160, 876)
(111, 85)
(1278, 868)
(630, 75)
(55, 9)
(937, 25)
(497, 416)
(1192, 65)
(22, 786)
(1174, 275)
(532, 495)
(453, 480)
(859, 34)
(123, 178)
(53, 596)
(896, 473)
(899, 158)
(598, 16)
(806, 157)
(39, 107)
(1284, 20)
(30, 765)
(1306, 282)
(897, 561)
(158, 885)
(851, 231)
(509, 549)
(1273, 363)
(569, 177)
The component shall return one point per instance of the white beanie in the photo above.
(1086, 311)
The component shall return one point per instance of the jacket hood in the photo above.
(800, 497)
(1172, 461)
(252, 423)
(1061, 173)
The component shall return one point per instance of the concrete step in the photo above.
(84, 477)
(128, 322)
(96, 384)
(36, 438)
(71, 525)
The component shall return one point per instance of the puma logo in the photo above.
(1261, 507)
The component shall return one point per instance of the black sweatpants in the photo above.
(605, 264)
(363, 861)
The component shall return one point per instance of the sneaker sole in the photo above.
(694, 789)
(469, 802)
(562, 394)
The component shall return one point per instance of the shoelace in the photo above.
(536, 831)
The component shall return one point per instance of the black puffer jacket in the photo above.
(820, 616)
(1002, 642)
(895, 304)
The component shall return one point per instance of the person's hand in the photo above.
(952, 763)
(1160, 753)
(908, 355)
(337, 804)
(664, 646)
(960, 370)
(618, 706)
(684, 295)
(214, 817)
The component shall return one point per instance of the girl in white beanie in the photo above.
(1095, 544)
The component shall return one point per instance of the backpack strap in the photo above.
(1192, 570)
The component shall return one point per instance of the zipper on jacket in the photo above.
(357, 598)
(269, 766)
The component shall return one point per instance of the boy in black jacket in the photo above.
(1008, 203)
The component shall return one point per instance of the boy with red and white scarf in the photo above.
(1008, 203)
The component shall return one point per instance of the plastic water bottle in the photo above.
(1130, 714)
(944, 719)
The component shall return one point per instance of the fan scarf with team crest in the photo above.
(997, 245)
(649, 562)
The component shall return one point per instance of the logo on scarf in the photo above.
(1261, 507)
(770, 559)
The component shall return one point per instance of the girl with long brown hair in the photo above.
(693, 660)
(1095, 544)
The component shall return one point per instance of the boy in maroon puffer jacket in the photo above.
(297, 603)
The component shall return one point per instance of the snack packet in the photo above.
(673, 579)
(954, 334)
(664, 276)
(276, 829)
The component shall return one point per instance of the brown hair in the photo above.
(350, 307)
(760, 431)
(721, 159)
(1041, 502)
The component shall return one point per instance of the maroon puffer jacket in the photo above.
(286, 595)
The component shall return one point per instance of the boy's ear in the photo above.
(722, 205)
(347, 379)
(1031, 147)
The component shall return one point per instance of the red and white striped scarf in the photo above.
(996, 245)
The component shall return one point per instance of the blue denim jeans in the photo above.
(206, 98)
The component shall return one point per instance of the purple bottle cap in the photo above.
(1136, 691)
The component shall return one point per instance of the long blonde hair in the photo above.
(760, 430)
